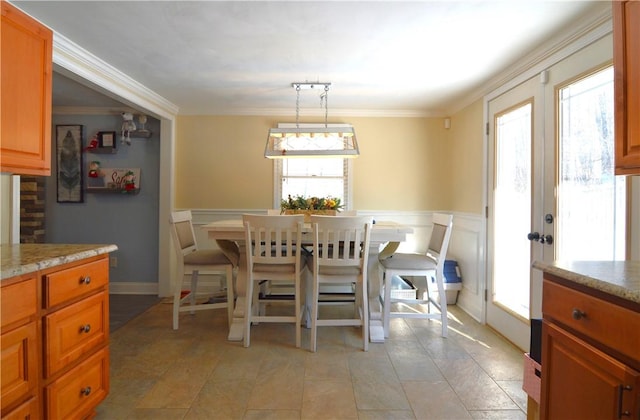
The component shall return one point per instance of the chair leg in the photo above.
(177, 296)
(248, 311)
(194, 288)
(365, 315)
(386, 304)
(230, 294)
(297, 300)
(314, 315)
(443, 305)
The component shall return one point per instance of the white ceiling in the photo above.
(239, 57)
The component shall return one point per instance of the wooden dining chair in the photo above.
(429, 265)
(340, 257)
(273, 259)
(193, 260)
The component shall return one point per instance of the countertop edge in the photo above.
(622, 287)
(74, 253)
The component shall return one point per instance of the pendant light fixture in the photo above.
(312, 140)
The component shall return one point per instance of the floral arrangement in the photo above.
(311, 203)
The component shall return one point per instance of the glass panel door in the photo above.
(512, 204)
(515, 190)
(591, 199)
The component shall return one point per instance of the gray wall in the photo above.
(129, 221)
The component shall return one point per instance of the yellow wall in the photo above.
(465, 159)
(405, 163)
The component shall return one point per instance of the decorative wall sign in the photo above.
(122, 180)
(69, 163)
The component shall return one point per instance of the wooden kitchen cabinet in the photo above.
(55, 352)
(26, 78)
(590, 355)
(20, 346)
(626, 63)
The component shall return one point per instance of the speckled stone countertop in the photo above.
(617, 278)
(27, 258)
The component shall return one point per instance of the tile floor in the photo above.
(195, 373)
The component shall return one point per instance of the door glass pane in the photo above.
(512, 196)
(591, 199)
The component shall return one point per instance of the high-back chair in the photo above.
(272, 258)
(193, 260)
(429, 265)
(340, 257)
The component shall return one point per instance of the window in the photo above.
(313, 177)
(591, 204)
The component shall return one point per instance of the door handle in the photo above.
(546, 239)
(543, 239)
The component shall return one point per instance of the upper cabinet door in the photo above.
(626, 62)
(26, 94)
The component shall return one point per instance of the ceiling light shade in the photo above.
(312, 140)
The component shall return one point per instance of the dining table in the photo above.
(382, 232)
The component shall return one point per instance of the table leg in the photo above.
(236, 330)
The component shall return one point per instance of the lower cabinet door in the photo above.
(581, 382)
(74, 330)
(29, 410)
(76, 393)
(18, 366)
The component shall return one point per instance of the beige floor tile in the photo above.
(383, 393)
(328, 399)
(278, 390)
(326, 366)
(178, 387)
(499, 415)
(385, 415)
(434, 400)
(221, 400)
(196, 373)
(475, 388)
(272, 415)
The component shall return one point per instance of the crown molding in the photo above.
(280, 112)
(589, 29)
(79, 64)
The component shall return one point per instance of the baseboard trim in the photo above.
(131, 288)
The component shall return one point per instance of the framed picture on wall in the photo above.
(107, 138)
(69, 163)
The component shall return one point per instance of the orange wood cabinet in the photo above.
(25, 83)
(590, 355)
(20, 344)
(55, 335)
(626, 63)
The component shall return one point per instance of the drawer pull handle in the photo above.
(85, 391)
(621, 412)
(85, 280)
(577, 314)
(85, 328)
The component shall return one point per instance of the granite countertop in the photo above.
(27, 258)
(617, 278)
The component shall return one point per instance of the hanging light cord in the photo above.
(326, 104)
(297, 106)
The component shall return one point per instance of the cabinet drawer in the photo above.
(25, 411)
(18, 366)
(67, 284)
(74, 330)
(77, 393)
(602, 321)
(19, 301)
